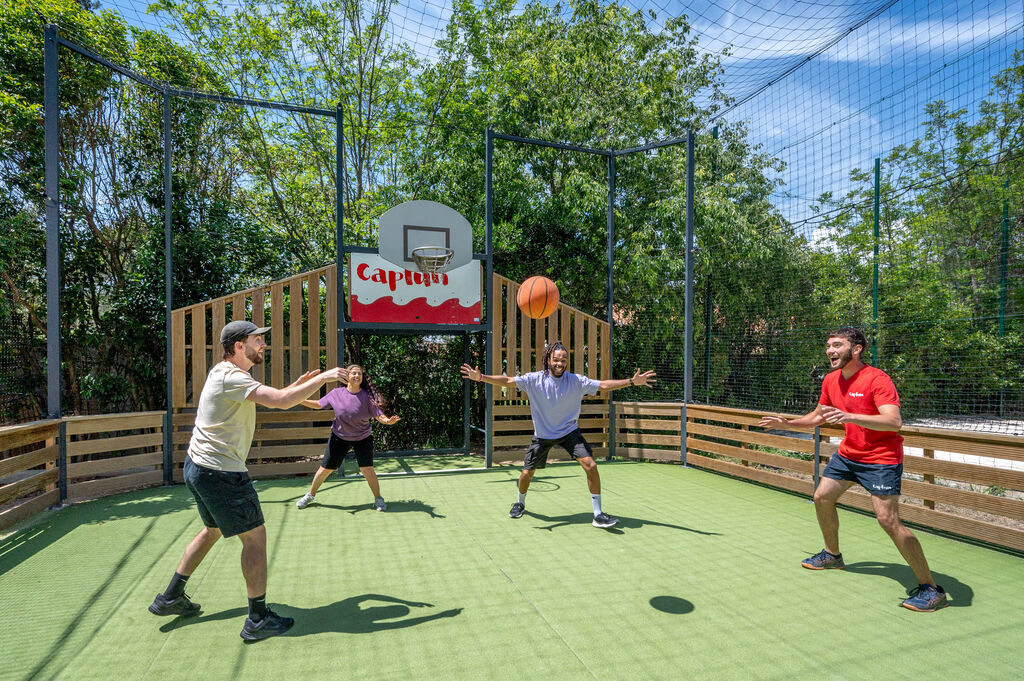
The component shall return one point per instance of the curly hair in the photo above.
(552, 346)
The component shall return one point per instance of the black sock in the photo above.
(176, 587)
(258, 608)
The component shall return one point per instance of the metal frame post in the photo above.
(1004, 253)
(51, 135)
(688, 323)
(611, 301)
(874, 281)
(488, 285)
(168, 293)
(339, 229)
(817, 455)
(465, 395)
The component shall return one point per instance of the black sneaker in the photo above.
(272, 624)
(604, 520)
(517, 510)
(174, 606)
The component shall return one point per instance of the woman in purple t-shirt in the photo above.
(355, 405)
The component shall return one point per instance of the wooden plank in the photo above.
(578, 345)
(303, 415)
(238, 307)
(199, 367)
(23, 462)
(107, 423)
(218, 323)
(929, 479)
(525, 344)
(591, 347)
(188, 419)
(512, 440)
(756, 474)
(37, 432)
(606, 344)
(632, 439)
(90, 489)
(267, 434)
(178, 358)
(296, 366)
(276, 349)
(764, 458)
(512, 330)
(665, 455)
(539, 344)
(513, 425)
(331, 327)
(636, 410)
(34, 506)
(623, 423)
(977, 501)
(959, 442)
(288, 451)
(114, 464)
(313, 322)
(965, 472)
(276, 470)
(114, 444)
(28, 485)
(564, 328)
(791, 444)
(258, 317)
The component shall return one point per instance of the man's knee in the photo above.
(257, 536)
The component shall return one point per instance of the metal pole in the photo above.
(708, 308)
(168, 295)
(339, 231)
(1004, 253)
(465, 395)
(610, 302)
(688, 371)
(817, 455)
(488, 285)
(51, 136)
(874, 284)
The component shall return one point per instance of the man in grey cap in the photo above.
(216, 474)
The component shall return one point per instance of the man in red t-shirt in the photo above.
(864, 400)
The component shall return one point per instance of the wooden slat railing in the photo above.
(28, 470)
(974, 500)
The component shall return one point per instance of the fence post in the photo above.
(607, 360)
(1003, 254)
(682, 435)
(817, 455)
(62, 460)
(168, 294)
(874, 282)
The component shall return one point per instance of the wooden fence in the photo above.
(519, 344)
(968, 499)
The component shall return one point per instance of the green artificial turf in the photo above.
(700, 580)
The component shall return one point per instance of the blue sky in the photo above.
(873, 67)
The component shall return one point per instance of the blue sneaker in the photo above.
(824, 561)
(926, 598)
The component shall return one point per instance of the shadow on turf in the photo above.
(363, 614)
(960, 595)
(672, 605)
(624, 523)
(398, 506)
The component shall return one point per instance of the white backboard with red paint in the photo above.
(384, 292)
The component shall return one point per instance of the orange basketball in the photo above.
(537, 297)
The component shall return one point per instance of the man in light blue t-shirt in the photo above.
(555, 400)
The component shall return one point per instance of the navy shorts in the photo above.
(880, 479)
(537, 454)
(226, 500)
(338, 448)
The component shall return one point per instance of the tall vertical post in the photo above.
(688, 323)
(168, 295)
(51, 135)
(708, 307)
(1004, 253)
(610, 302)
(465, 395)
(488, 286)
(339, 231)
(874, 280)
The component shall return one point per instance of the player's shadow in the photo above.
(960, 595)
(538, 484)
(399, 506)
(364, 614)
(623, 524)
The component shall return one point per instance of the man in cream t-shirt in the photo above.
(216, 474)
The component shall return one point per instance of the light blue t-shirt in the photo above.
(555, 402)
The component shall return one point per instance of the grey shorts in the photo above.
(225, 500)
(537, 454)
(880, 479)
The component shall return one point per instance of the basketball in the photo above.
(537, 297)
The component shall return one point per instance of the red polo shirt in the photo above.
(864, 393)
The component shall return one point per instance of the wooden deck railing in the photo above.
(974, 500)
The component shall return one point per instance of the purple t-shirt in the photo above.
(352, 413)
(555, 402)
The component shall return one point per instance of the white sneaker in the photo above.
(306, 500)
(379, 505)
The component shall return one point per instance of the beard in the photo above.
(843, 359)
(254, 356)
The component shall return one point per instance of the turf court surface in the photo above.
(700, 580)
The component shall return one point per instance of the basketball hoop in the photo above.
(432, 259)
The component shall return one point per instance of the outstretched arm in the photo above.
(388, 420)
(473, 374)
(285, 398)
(810, 419)
(645, 378)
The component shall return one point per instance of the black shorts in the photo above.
(338, 448)
(537, 454)
(880, 479)
(226, 500)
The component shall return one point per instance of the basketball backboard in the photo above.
(414, 224)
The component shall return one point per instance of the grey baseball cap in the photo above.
(240, 330)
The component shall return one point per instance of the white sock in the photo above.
(596, 498)
(522, 498)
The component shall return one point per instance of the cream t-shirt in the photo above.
(225, 421)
